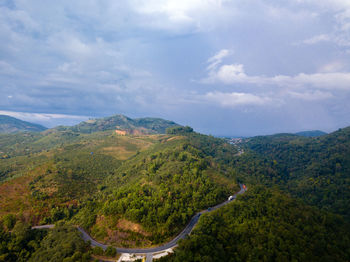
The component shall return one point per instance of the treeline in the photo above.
(266, 225)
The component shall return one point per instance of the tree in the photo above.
(9, 221)
(110, 251)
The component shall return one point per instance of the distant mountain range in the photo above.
(120, 123)
(312, 133)
(10, 124)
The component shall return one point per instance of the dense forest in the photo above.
(161, 189)
(62, 243)
(316, 170)
(18, 242)
(266, 225)
(140, 190)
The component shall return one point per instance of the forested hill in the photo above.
(265, 225)
(316, 170)
(13, 145)
(141, 190)
(123, 123)
(126, 190)
(313, 133)
(10, 124)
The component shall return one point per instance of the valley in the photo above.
(141, 189)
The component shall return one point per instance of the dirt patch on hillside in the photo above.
(118, 152)
(174, 138)
(122, 233)
(128, 225)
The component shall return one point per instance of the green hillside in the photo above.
(121, 122)
(10, 124)
(316, 170)
(158, 191)
(265, 225)
(140, 190)
(143, 188)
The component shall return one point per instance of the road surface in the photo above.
(160, 248)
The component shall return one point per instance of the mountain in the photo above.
(141, 191)
(18, 144)
(123, 123)
(313, 133)
(10, 124)
(126, 190)
(316, 170)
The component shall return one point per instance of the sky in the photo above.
(224, 67)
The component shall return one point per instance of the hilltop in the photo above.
(312, 133)
(122, 123)
(10, 124)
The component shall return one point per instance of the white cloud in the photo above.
(317, 39)
(335, 5)
(339, 33)
(215, 60)
(19, 19)
(235, 73)
(331, 81)
(311, 96)
(231, 73)
(332, 67)
(69, 44)
(181, 15)
(7, 69)
(235, 99)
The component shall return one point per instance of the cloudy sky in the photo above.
(224, 67)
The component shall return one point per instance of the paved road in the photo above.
(149, 257)
(160, 248)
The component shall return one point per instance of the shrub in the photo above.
(97, 251)
(111, 251)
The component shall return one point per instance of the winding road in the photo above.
(160, 248)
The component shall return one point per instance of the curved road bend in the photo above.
(163, 247)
